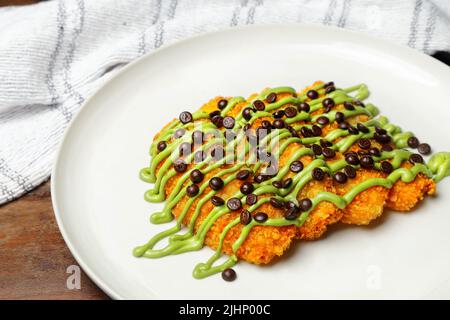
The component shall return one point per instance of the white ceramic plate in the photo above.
(98, 197)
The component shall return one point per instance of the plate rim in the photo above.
(97, 279)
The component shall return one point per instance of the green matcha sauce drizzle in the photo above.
(437, 168)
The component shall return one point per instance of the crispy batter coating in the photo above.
(264, 243)
(405, 196)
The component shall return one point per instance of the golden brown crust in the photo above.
(264, 243)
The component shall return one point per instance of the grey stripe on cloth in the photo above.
(252, 10)
(330, 12)
(68, 60)
(344, 15)
(60, 18)
(156, 11)
(414, 23)
(55, 54)
(236, 13)
(429, 30)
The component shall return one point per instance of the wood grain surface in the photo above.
(16, 2)
(33, 255)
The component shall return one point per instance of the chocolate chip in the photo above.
(329, 84)
(246, 127)
(380, 130)
(316, 130)
(415, 158)
(277, 184)
(350, 171)
(413, 142)
(362, 128)
(247, 188)
(161, 146)
(330, 89)
(290, 112)
(364, 143)
(292, 131)
(287, 183)
(323, 120)
(316, 149)
(344, 125)
(259, 105)
(386, 167)
(350, 153)
(192, 190)
(217, 121)
(359, 103)
(278, 124)
(179, 133)
(214, 114)
(186, 117)
(180, 166)
(216, 183)
(386, 148)
(328, 103)
(289, 204)
(217, 201)
(261, 217)
(243, 174)
(374, 152)
(340, 177)
(234, 204)
(245, 217)
(328, 153)
(222, 104)
(363, 153)
(367, 162)
(318, 174)
(272, 97)
(251, 199)
(306, 132)
(382, 138)
(228, 122)
(292, 213)
(296, 166)
(247, 113)
(305, 204)
(424, 148)
(312, 94)
(352, 159)
(339, 117)
(325, 143)
(279, 114)
(258, 178)
(196, 176)
(352, 130)
(303, 107)
(349, 106)
(229, 274)
(276, 203)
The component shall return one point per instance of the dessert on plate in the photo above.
(249, 177)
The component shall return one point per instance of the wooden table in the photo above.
(33, 255)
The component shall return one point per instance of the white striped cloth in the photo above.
(54, 54)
